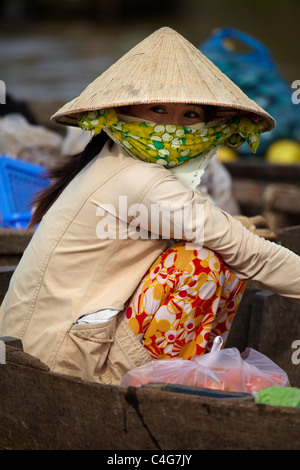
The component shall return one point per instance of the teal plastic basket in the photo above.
(20, 182)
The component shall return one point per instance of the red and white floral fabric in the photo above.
(186, 299)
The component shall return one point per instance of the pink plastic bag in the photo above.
(224, 369)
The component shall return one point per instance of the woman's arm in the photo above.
(246, 254)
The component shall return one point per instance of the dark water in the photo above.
(51, 58)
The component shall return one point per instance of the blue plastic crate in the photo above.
(20, 182)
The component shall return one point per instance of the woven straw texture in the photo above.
(164, 67)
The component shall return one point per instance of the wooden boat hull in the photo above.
(272, 190)
(12, 245)
(42, 410)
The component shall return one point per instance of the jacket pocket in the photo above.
(85, 349)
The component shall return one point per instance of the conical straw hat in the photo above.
(164, 67)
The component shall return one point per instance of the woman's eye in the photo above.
(195, 114)
(157, 109)
(192, 115)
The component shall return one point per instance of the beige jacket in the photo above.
(68, 270)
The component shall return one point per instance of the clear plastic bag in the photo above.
(224, 369)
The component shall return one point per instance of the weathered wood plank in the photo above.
(257, 169)
(259, 197)
(42, 410)
(290, 238)
(17, 356)
(15, 343)
(6, 273)
(274, 327)
(12, 245)
(262, 188)
(249, 194)
(239, 332)
(14, 241)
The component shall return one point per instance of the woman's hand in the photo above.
(258, 225)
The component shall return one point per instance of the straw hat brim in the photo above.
(163, 68)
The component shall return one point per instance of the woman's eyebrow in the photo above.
(194, 105)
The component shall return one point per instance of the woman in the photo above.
(105, 285)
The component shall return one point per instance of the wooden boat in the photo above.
(40, 409)
(263, 188)
(12, 245)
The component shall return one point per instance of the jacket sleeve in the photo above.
(248, 256)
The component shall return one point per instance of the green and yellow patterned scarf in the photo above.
(170, 145)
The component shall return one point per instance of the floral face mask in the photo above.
(170, 145)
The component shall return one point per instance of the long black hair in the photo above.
(63, 174)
